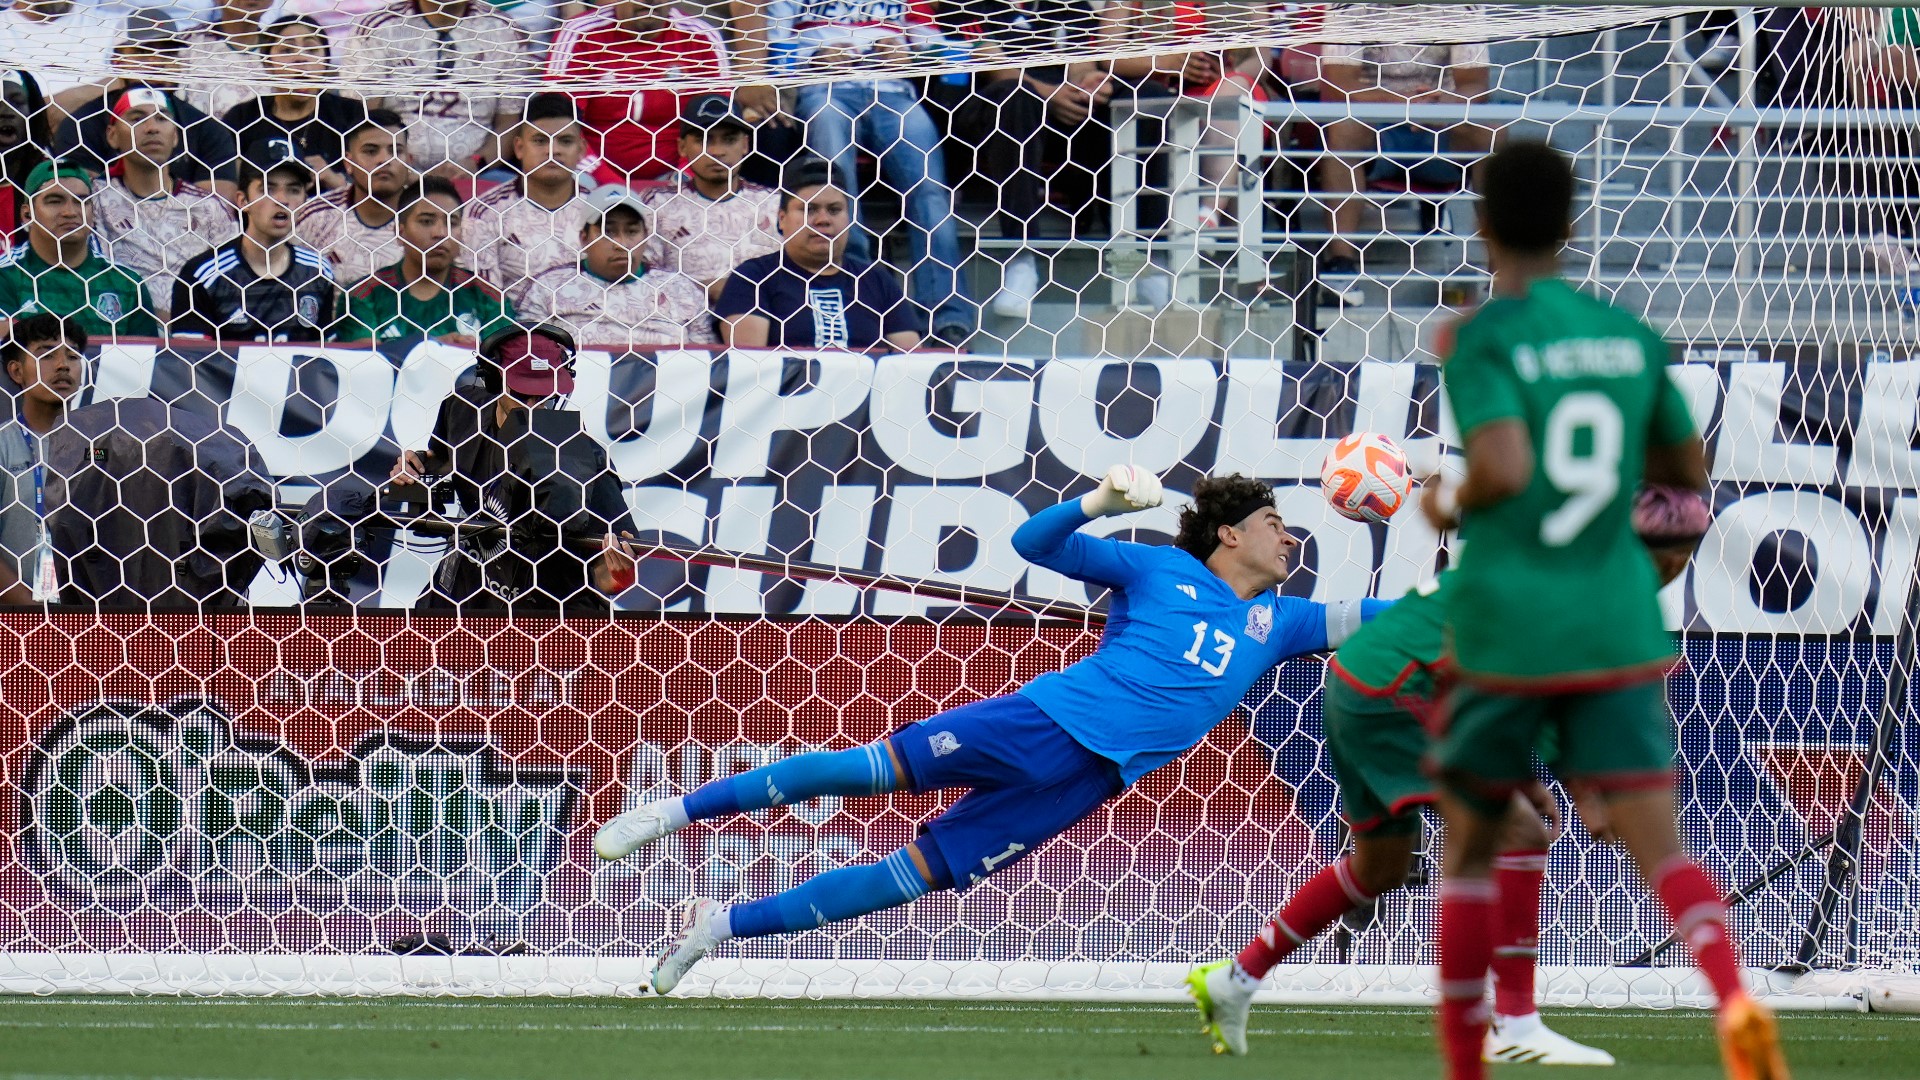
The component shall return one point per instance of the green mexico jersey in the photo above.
(381, 309)
(1394, 654)
(106, 300)
(1553, 590)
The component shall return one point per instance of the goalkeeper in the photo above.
(1379, 699)
(1190, 628)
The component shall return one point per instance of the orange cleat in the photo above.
(1750, 1041)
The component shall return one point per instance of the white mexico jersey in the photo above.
(654, 308)
(155, 237)
(511, 239)
(483, 48)
(327, 224)
(706, 238)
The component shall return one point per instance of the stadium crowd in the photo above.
(261, 207)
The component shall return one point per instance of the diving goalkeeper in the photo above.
(1189, 630)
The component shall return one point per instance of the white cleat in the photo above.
(698, 935)
(1224, 1005)
(627, 833)
(1527, 1040)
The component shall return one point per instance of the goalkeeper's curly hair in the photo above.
(1217, 501)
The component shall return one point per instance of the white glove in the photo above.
(1127, 488)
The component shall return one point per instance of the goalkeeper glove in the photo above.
(1126, 488)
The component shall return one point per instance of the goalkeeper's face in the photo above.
(1261, 546)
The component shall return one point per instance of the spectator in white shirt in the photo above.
(611, 299)
(450, 131)
(517, 230)
(147, 220)
(64, 47)
(710, 220)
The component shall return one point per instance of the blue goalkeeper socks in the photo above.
(863, 770)
(835, 896)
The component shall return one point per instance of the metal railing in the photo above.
(1683, 191)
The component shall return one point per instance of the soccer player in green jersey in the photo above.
(1564, 408)
(1378, 705)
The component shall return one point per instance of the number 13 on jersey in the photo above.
(1223, 644)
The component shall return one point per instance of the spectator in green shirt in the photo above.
(425, 293)
(56, 270)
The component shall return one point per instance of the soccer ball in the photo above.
(1365, 477)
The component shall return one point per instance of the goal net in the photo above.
(319, 679)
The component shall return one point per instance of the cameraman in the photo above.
(537, 506)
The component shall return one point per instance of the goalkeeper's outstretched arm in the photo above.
(1051, 538)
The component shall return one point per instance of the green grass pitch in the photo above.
(759, 1040)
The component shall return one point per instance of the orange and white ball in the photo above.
(1365, 477)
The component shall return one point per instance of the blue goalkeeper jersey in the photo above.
(1180, 648)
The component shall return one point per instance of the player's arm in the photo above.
(1051, 538)
(1676, 456)
(1481, 387)
(1313, 627)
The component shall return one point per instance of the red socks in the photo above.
(1469, 912)
(1700, 918)
(1516, 945)
(1315, 906)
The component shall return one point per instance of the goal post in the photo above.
(255, 754)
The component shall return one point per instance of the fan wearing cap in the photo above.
(812, 294)
(146, 219)
(709, 219)
(610, 297)
(518, 230)
(151, 52)
(425, 294)
(57, 271)
(548, 482)
(263, 286)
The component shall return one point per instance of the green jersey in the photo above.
(108, 301)
(1553, 591)
(1396, 652)
(381, 308)
(1903, 27)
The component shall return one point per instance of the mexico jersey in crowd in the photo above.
(511, 239)
(706, 238)
(154, 237)
(328, 224)
(482, 49)
(635, 136)
(649, 307)
(219, 296)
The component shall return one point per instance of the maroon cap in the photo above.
(536, 365)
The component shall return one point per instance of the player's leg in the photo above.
(1375, 747)
(1629, 761)
(1483, 757)
(1031, 782)
(1622, 744)
(873, 769)
(1517, 1033)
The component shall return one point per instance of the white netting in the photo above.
(289, 712)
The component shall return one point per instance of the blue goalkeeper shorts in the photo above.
(1031, 782)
